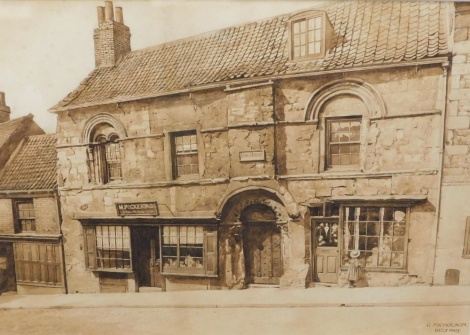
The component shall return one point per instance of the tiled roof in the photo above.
(33, 167)
(367, 33)
(9, 128)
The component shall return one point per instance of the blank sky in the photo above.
(46, 47)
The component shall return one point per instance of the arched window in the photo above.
(104, 154)
(343, 110)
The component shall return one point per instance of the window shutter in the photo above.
(90, 247)
(466, 242)
(210, 252)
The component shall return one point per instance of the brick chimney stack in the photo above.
(112, 37)
(4, 109)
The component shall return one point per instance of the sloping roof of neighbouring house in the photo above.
(33, 166)
(9, 129)
(367, 33)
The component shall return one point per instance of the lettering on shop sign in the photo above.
(252, 156)
(137, 208)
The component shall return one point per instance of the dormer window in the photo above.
(307, 37)
(310, 35)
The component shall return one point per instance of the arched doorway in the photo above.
(262, 245)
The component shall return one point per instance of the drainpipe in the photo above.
(446, 68)
(59, 214)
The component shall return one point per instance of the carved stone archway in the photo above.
(102, 118)
(233, 238)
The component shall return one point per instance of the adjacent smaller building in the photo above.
(31, 257)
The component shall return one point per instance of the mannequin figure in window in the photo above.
(323, 234)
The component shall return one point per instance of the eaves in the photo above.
(231, 83)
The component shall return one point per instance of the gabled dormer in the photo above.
(310, 35)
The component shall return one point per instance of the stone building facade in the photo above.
(228, 160)
(453, 242)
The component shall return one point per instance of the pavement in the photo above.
(253, 297)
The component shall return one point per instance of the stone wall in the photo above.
(456, 171)
(400, 156)
(407, 135)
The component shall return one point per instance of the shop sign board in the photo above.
(137, 208)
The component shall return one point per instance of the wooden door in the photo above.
(145, 242)
(264, 253)
(155, 275)
(325, 251)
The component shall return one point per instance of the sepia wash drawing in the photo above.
(260, 155)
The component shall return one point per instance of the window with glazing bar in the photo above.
(189, 249)
(343, 142)
(185, 154)
(379, 233)
(26, 221)
(307, 37)
(108, 247)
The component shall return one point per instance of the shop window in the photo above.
(185, 155)
(108, 247)
(379, 233)
(189, 250)
(466, 242)
(343, 142)
(105, 155)
(26, 221)
(38, 263)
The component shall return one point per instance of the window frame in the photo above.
(210, 235)
(18, 218)
(305, 16)
(327, 142)
(98, 160)
(175, 154)
(90, 241)
(381, 206)
(209, 232)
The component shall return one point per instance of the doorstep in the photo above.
(146, 289)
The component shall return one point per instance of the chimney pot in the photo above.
(119, 15)
(4, 109)
(108, 10)
(100, 15)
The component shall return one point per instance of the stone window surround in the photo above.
(348, 87)
(114, 134)
(168, 132)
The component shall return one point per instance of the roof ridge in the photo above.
(208, 34)
(259, 49)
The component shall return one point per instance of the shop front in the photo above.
(141, 254)
(378, 230)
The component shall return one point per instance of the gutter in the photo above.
(259, 81)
